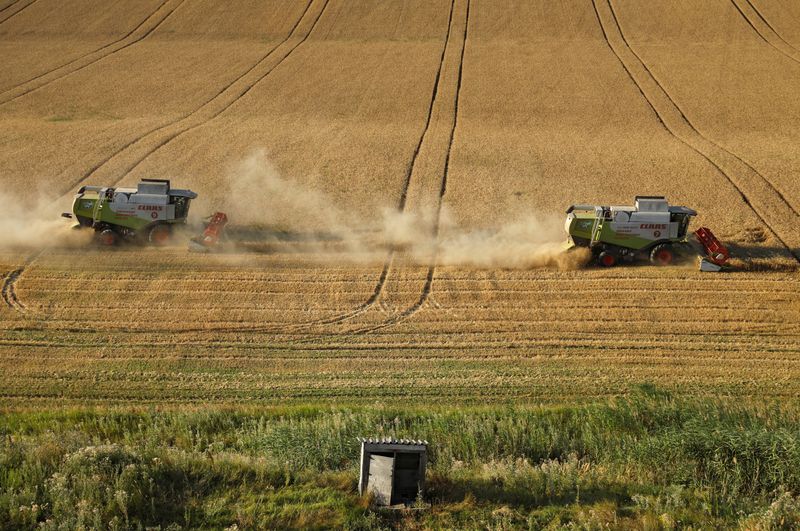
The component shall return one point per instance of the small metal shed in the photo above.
(393, 470)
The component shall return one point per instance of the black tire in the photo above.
(662, 254)
(607, 259)
(108, 237)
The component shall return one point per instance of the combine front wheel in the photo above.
(159, 234)
(108, 237)
(662, 254)
(607, 259)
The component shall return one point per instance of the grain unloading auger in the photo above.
(650, 229)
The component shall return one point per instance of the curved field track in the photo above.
(369, 153)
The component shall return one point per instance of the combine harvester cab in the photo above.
(651, 228)
(148, 212)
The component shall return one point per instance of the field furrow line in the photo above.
(590, 276)
(178, 291)
(61, 70)
(271, 288)
(9, 6)
(637, 356)
(763, 198)
(601, 291)
(452, 311)
(569, 307)
(13, 13)
(82, 335)
(136, 151)
(454, 325)
(126, 273)
(548, 345)
(505, 340)
(480, 350)
(211, 281)
(764, 29)
(140, 32)
(276, 307)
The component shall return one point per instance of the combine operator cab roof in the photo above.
(657, 203)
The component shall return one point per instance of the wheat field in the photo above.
(376, 150)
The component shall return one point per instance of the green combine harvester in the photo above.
(650, 229)
(146, 213)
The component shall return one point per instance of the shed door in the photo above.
(381, 470)
(406, 477)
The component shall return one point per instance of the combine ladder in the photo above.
(597, 227)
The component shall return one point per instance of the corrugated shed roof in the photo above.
(389, 440)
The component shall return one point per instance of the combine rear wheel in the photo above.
(159, 234)
(662, 254)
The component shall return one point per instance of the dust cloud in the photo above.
(528, 243)
(268, 210)
(258, 195)
(34, 222)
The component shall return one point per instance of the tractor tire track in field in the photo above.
(421, 187)
(83, 61)
(9, 6)
(139, 33)
(139, 149)
(412, 180)
(763, 198)
(8, 292)
(764, 29)
(17, 12)
(428, 285)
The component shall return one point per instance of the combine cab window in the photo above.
(684, 223)
(181, 206)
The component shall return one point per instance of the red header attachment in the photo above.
(715, 251)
